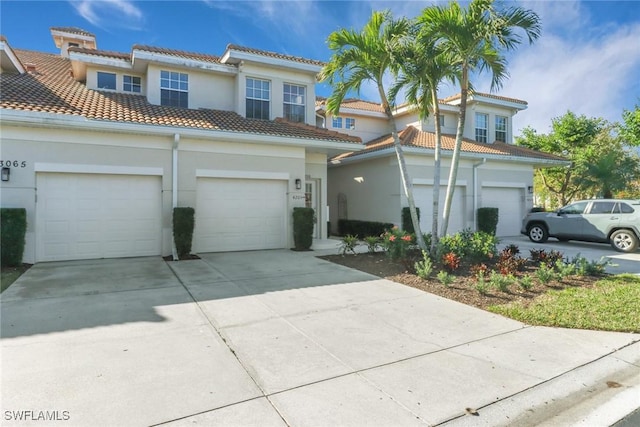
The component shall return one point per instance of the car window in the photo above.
(625, 208)
(574, 208)
(602, 207)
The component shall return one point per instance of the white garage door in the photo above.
(87, 216)
(423, 195)
(509, 203)
(240, 214)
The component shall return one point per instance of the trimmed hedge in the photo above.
(362, 229)
(407, 224)
(183, 225)
(303, 223)
(13, 228)
(488, 220)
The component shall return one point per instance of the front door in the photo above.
(311, 201)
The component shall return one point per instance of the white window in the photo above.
(441, 118)
(349, 123)
(294, 103)
(131, 84)
(258, 98)
(501, 128)
(482, 123)
(174, 89)
(106, 80)
(336, 122)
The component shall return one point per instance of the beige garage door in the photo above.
(240, 214)
(423, 195)
(509, 203)
(87, 216)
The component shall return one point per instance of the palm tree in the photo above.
(423, 68)
(369, 56)
(473, 39)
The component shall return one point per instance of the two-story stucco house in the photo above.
(366, 184)
(99, 147)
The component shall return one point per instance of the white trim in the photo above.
(159, 58)
(501, 184)
(267, 60)
(100, 60)
(215, 173)
(97, 169)
(4, 47)
(72, 35)
(426, 181)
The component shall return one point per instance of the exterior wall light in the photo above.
(5, 174)
(298, 183)
(530, 189)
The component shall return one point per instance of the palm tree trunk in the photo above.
(436, 172)
(453, 172)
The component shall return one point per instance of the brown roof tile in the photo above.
(413, 137)
(275, 55)
(103, 53)
(51, 89)
(73, 30)
(178, 53)
(486, 95)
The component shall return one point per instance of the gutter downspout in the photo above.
(174, 189)
(475, 191)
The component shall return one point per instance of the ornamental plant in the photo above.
(396, 243)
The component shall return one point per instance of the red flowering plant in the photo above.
(396, 243)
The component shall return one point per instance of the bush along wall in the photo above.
(13, 228)
(362, 229)
(407, 224)
(303, 222)
(183, 225)
(488, 220)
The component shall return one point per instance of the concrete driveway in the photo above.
(283, 338)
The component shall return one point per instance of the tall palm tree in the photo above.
(474, 38)
(423, 68)
(369, 56)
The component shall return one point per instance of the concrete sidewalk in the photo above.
(283, 338)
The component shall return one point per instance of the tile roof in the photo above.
(52, 89)
(274, 55)
(73, 30)
(413, 137)
(486, 95)
(354, 103)
(178, 53)
(102, 53)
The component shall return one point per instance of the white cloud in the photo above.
(109, 13)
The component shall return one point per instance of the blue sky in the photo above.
(587, 60)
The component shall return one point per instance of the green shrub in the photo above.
(501, 282)
(475, 246)
(407, 224)
(396, 243)
(13, 230)
(362, 229)
(348, 244)
(303, 224)
(481, 284)
(545, 274)
(445, 278)
(526, 282)
(372, 243)
(488, 220)
(183, 224)
(424, 268)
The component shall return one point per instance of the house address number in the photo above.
(14, 163)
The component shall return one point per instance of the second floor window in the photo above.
(258, 98)
(294, 103)
(336, 122)
(106, 80)
(131, 84)
(174, 89)
(501, 129)
(482, 125)
(349, 123)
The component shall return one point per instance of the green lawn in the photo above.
(10, 275)
(612, 305)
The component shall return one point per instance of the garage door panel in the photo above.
(510, 208)
(423, 195)
(84, 216)
(240, 214)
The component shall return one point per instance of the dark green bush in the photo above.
(183, 224)
(407, 224)
(488, 220)
(12, 232)
(466, 244)
(303, 223)
(362, 229)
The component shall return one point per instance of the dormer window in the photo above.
(482, 124)
(174, 89)
(131, 84)
(258, 99)
(106, 80)
(501, 128)
(350, 123)
(294, 103)
(336, 122)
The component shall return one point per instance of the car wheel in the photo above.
(624, 241)
(538, 233)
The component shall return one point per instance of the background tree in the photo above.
(630, 128)
(473, 39)
(370, 55)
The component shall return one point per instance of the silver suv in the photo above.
(600, 220)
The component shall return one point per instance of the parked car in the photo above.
(600, 220)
